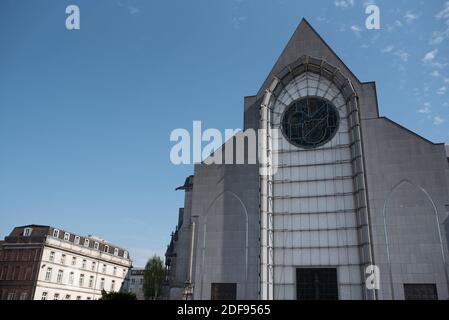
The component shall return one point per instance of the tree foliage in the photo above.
(117, 296)
(153, 278)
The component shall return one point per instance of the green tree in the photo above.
(153, 278)
(117, 296)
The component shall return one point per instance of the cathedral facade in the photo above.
(345, 204)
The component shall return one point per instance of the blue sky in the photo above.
(85, 116)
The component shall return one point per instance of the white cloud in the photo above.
(437, 120)
(442, 90)
(446, 80)
(238, 21)
(435, 73)
(402, 55)
(368, 2)
(388, 49)
(344, 3)
(444, 14)
(356, 29)
(396, 24)
(424, 110)
(441, 35)
(430, 56)
(133, 10)
(410, 17)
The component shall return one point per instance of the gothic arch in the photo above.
(423, 191)
(204, 233)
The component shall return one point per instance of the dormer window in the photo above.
(86, 242)
(106, 248)
(66, 236)
(56, 233)
(77, 240)
(96, 245)
(115, 251)
(125, 254)
(27, 232)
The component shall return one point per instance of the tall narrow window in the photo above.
(96, 245)
(77, 240)
(114, 271)
(125, 254)
(81, 282)
(84, 264)
(91, 281)
(115, 251)
(44, 295)
(102, 284)
(56, 233)
(106, 248)
(103, 270)
(86, 242)
(93, 266)
(63, 259)
(48, 274)
(27, 232)
(71, 278)
(4, 273)
(73, 261)
(51, 258)
(66, 236)
(112, 285)
(59, 278)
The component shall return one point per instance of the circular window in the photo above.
(310, 122)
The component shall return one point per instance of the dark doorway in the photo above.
(316, 284)
(420, 292)
(223, 291)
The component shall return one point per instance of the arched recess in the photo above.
(267, 163)
(229, 224)
(408, 197)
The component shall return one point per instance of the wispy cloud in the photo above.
(410, 17)
(238, 21)
(444, 13)
(425, 109)
(344, 3)
(435, 73)
(356, 29)
(402, 55)
(430, 60)
(388, 49)
(437, 120)
(442, 91)
(133, 10)
(441, 35)
(396, 24)
(429, 57)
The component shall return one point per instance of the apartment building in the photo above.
(46, 263)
